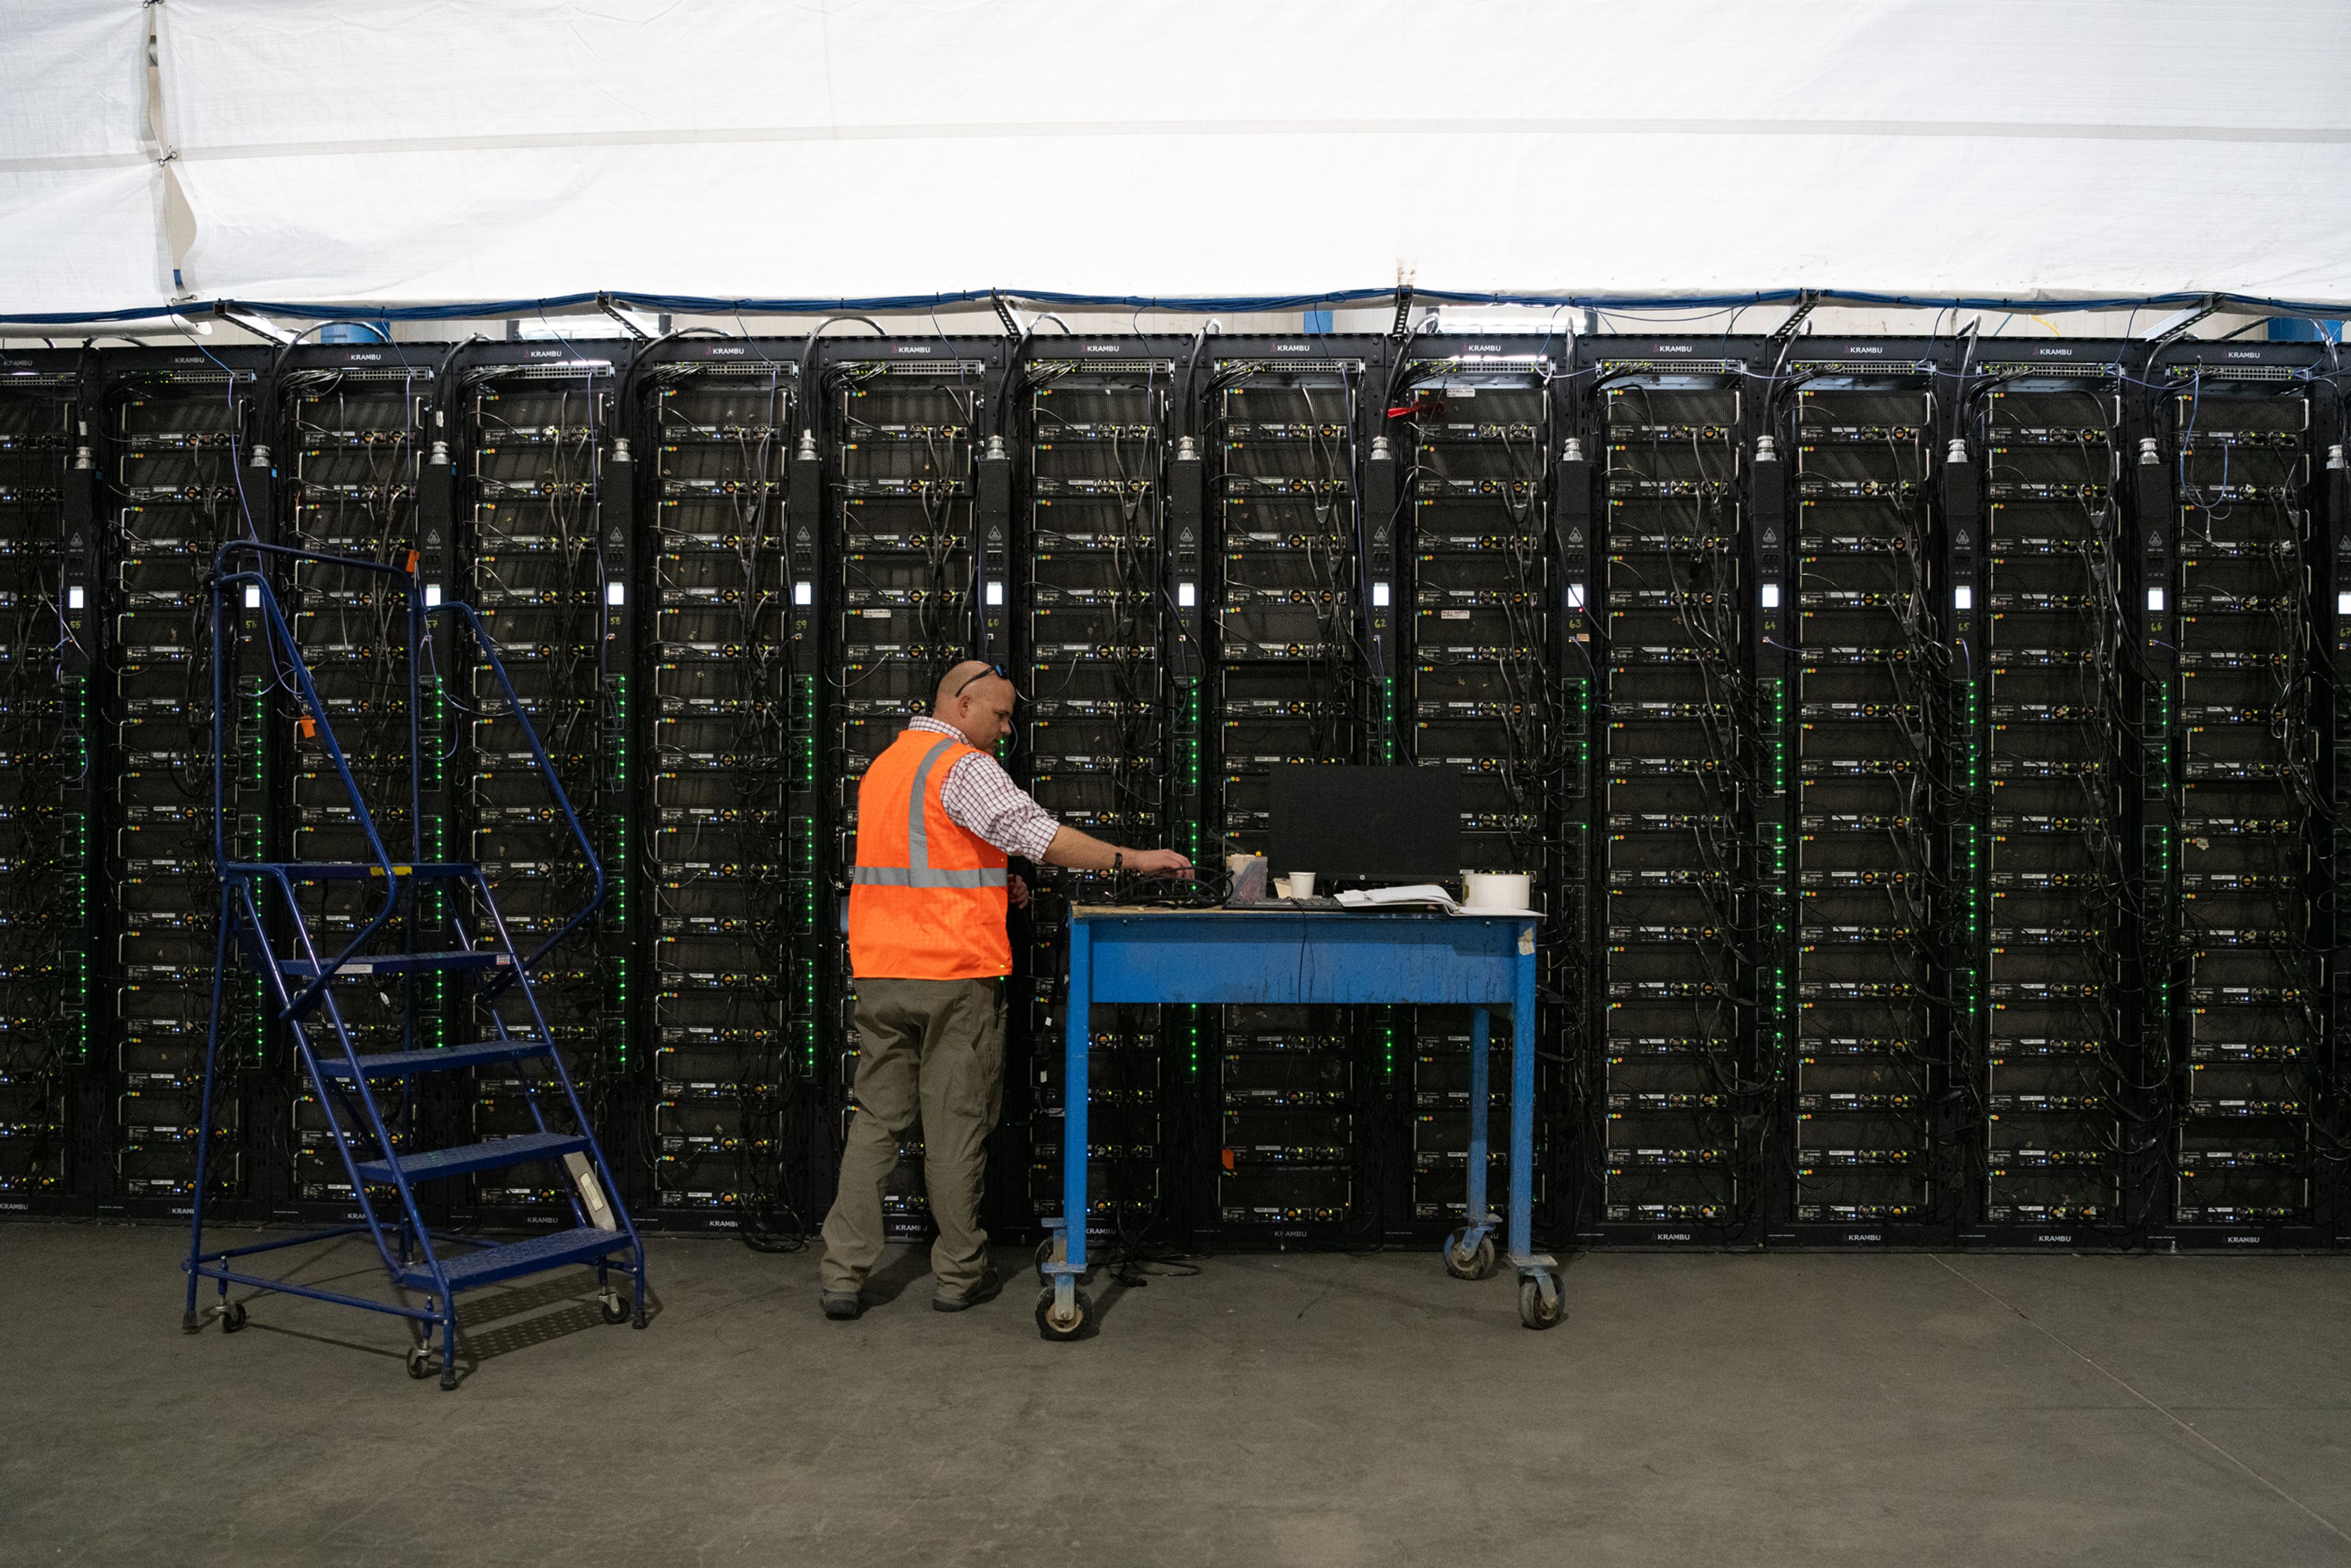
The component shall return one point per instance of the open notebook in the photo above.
(1419, 895)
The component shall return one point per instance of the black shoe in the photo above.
(842, 1306)
(990, 1284)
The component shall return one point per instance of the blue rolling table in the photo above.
(1281, 956)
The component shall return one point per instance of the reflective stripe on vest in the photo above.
(918, 872)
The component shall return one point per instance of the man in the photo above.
(936, 818)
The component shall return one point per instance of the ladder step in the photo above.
(495, 1155)
(403, 1064)
(360, 871)
(528, 1255)
(400, 963)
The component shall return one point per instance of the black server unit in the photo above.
(1093, 750)
(547, 485)
(2043, 915)
(352, 425)
(908, 420)
(46, 641)
(183, 475)
(1470, 420)
(1671, 1133)
(726, 813)
(2237, 429)
(1291, 680)
(1857, 425)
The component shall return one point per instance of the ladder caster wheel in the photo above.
(615, 1308)
(232, 1317)
(420, 1363)
(1542, 1303)
(1466, 1262)
(1055, 1327)
(1044, 1256)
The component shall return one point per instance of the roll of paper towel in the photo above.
(1497, 890)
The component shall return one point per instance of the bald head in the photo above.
(978, 701)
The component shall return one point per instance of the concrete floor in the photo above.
(1308, 1410)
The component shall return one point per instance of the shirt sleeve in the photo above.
(982, 799)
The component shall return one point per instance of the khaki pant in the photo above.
(932, 1049)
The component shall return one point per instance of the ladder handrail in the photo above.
(407, 583)
(282, 639)
(489, 650)
(353, 1113)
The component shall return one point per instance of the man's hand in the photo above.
(1019, 891)
(1158, 863)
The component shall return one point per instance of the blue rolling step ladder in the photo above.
(376, 1140)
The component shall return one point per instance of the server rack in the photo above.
(1093, 748)
(729, 827)
(2236, 430)
(1471, 420)
(350, 430)
(1291, 678)
(2116, 676)
(546, 485)
(1674, 1143)
(1857, 423)
(905, 453)
(2045, 915)
(183, 475)
(46, 635)
(2331, 580)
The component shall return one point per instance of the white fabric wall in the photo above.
(420, 151)
(80, 192)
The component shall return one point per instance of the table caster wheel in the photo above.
(420, 1363)
(1054, 1326)
(615, 1306)
(1542, 1303)
(1044, 1256)
(232, 1317)
(1464, 1262)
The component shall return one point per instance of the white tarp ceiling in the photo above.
(413, 151)
(81, 197)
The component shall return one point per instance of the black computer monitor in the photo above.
(1364, 824)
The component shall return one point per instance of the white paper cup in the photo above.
(1497, 890)
(1302, 885)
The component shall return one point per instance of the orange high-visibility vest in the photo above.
(927, 900)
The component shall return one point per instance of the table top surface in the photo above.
(1172, 912)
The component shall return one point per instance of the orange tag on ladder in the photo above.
(309, 730)
(414, 556)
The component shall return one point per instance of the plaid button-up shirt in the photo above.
(982, 799)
